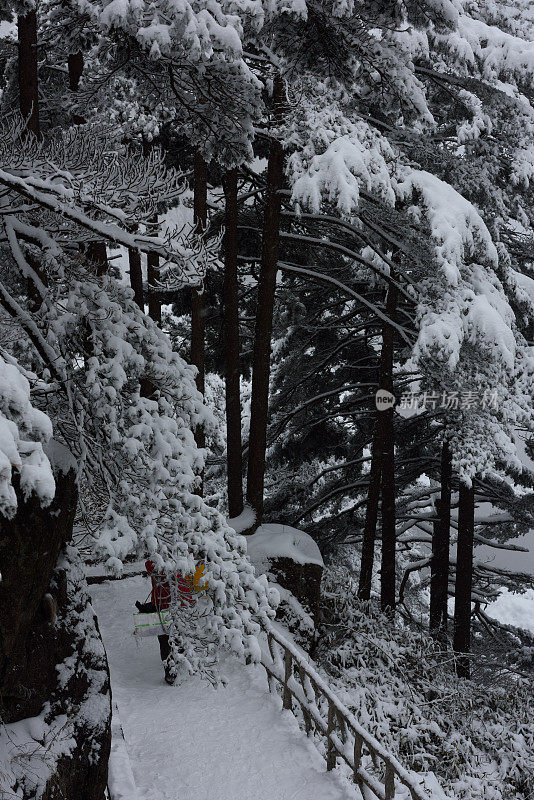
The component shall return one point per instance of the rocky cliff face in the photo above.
(55, 699)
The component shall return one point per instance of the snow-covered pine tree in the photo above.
(338, 171)
(319, 176)
(88, 348)
(362, 58)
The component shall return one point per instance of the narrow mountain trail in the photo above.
(194, 741)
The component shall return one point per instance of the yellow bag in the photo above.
(196, 580)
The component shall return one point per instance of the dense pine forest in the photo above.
(266, 394)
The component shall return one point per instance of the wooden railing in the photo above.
(315, 705)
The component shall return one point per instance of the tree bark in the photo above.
(97, 253)
(387, 568)
(198, 303)
(29, 548)
(27, 64)
(464, 579)
(75, 65)
(154, 304)
(234, 455)
(371, 515)
(261, 364)
(136, 276)
(198, 310)
(439, 568)
(146, 387)
(382, 448)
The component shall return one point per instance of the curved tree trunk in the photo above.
(234, 455)
(261, 366)
(27, 63)
(464, 578)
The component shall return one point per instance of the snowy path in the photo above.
(192, 741)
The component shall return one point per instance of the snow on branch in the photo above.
(493, 52)
(170, 247)
(23, 431)
(456, 226)
(338, 160)
(84, 177)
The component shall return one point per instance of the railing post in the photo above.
(270, 681)
(312, 704)
(286, 702)
(270, 643)
(305, 713)
(342, 726)
(358, 743)
(390, 783)
(330, 753)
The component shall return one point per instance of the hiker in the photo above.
(160, 600)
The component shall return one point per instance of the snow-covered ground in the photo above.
(193, 741)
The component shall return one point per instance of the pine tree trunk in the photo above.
(234, 453)
(198, 303)
(27, 64)
(439, 568)
(371, 514)
(382, 448)
(136, 276)
(261, 365)
(97, 253)
(198, 309)
(387, 568)
(146, 387)
(464, 578)
(75, 65)
(152, 264)
(154, 303)
(29, 108)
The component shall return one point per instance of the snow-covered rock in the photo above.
(282, 541)
(23, 431)
(293, 559)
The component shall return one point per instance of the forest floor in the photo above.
(194, 741)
